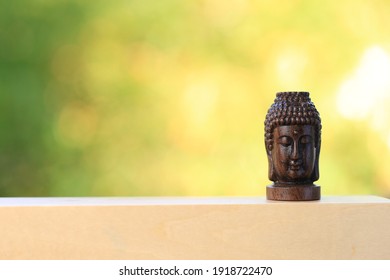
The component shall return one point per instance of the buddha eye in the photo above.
(285, 141)
(306, 139)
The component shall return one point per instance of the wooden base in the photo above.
(293, 193)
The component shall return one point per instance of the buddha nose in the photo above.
(296, 151)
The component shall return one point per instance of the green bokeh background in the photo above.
(166, 98)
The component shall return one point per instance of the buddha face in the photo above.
(293, 154)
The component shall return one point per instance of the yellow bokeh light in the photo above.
(366, 94)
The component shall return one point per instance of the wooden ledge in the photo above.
(346, 227)
(155, 201)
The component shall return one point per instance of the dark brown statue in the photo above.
(293, 142)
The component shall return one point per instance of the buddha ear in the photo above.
(316, 172)
(271, 171)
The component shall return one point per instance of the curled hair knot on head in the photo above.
(291, 108)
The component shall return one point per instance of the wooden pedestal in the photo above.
(294, 193)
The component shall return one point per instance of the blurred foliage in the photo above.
(168, 97)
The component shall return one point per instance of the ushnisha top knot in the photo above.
(293, 96)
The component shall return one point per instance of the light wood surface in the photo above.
(355, 227)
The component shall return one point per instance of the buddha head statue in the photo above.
(293, 139)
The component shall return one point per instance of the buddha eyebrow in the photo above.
(284, 137)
